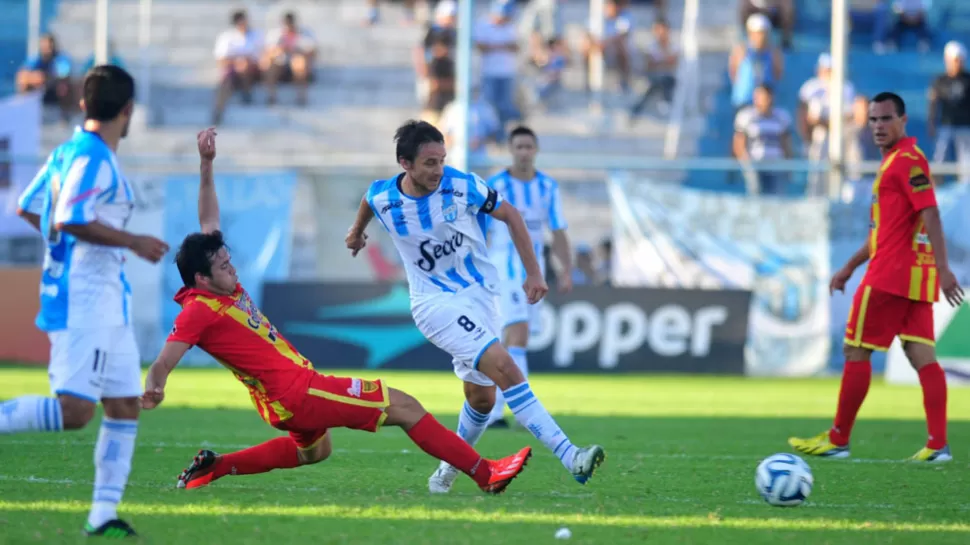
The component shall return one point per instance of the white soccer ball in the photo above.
(784, 480)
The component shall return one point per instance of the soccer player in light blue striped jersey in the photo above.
(80, 203)
(437, 217)
(536, 197)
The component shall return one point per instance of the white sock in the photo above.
(31, 413)
(471, 424)
(112, 462)
(518, 354)
(530, 413)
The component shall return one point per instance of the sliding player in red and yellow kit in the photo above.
(907, 268)
(219, 317)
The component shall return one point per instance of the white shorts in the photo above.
(95, 363)
(515, 306)
(464, 325)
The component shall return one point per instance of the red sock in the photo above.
(445, 445)
(855, 385)
(279, 453)
(933, 380)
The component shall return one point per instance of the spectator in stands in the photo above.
(893, 19)
(288, 58)
(483, 125)
(661, 71)
(550, 271)
(441, 28)
(441, 80)
(615, 44)
(542, 22)
(755, 63)
(113, 59)
(763, 133)
(605, 269)
(859, 146)
(237, 53)
(781, 14)
(497, 40)
(551, 67)
(950, 106)
(813, 108)
(584, 273)
(49, 71)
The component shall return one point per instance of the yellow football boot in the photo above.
(931, 456)
(820, 445)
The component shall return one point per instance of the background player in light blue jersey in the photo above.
(536, 197)
(80, 203)
(437, 216)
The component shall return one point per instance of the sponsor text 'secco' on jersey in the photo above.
(440, 236)
(82, 284)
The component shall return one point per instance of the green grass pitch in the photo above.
(681, 454)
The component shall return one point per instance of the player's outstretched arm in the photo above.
(535, 286)
(842, 276)
(356, 238)
(208, 201)
(158, 373)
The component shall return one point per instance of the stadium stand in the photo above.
(13, 37)
(364, 79)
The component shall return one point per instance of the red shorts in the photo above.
(335, 402)
(878, 316)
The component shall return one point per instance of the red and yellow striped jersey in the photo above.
(900, 254)
(233, 331)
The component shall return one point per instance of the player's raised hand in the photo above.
(355, 242)
(951, 288)
(839, 280)
(535, 289)
(152, 398)
(149, 248)
(207, 144)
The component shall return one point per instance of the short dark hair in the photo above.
(107, 89)
(412, 135)
(897, 101)
(195, 255)
(237, 16)
(522, 130)
(660, 21)
(767, 87)
(289, 18)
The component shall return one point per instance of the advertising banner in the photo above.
(668, 236)
(592, 329)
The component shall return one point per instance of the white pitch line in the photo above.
(30, 479)
(233, 446)
(666, 499)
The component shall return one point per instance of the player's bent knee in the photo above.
(919, 354)
(121, 408)
(317, 453)
(480, 398)
(856, 353)
(76, 412)
(498, 365)
(403, 410)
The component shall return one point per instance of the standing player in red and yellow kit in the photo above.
(907, 269)
(219, 317)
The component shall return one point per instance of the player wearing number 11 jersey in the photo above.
(437, 217)
(219, 317)
(908, 267)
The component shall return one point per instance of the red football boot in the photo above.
(504, 470)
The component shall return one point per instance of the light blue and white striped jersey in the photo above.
(441, 236)
(538, 202)
(82, 284)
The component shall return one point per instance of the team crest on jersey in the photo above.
(368, 386)
(450, 214)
